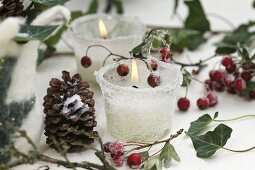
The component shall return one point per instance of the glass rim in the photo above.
(140, 32)
(163, 88)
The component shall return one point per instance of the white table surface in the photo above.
(229, 105)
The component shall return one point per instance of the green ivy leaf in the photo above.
(54, 39)
(174, 154)
(186, 38)
(118, 5)
(43, 54)
(240, 35)
(198, 125)
(250, 86)
(186, 78)
(138, 48)
(196, 19)
(50, 2)
(76, 14)
(31, 32)
(154, 163)
(93, 7)
(206, 145)
(243, 52)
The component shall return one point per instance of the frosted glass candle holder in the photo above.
(143, 113)
(124, 33)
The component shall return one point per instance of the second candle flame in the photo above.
(102, 29)
(134, 76)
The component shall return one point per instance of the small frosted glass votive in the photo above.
(143, 113)
(124, 33)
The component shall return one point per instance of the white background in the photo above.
(158, 13)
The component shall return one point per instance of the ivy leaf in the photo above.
(240, 35)
(186, 38)
(54, 39)
(196, 19)
(168, 152)
(50, 3)
(186, 78)
(31, 32)
(154, 163)
(243, 52)
(93, 7)
(138, 48)
(76, 14)
(118, 5)
(206, 145)
(145, 155)
(174, 154)
(250, 86)
(198, 125)
(43, 54)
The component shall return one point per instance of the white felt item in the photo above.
(22, 85)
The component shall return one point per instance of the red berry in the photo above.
(153, 63)
(183, 104)
(227, 61)
(122, 70)
(228, 79)
(134, 160)
(213, 99)
(217, 75)
(246, 75)
(211, 74)
(231, 88)
(118, 161)
(239, 84)
(203, 103)
(218, 86)
(115, 148)
(153, 80)
(252, 94)
(86, 61)
(248, 66)
(231, 68)
(209, 84)
(165, 55)
(107, 147)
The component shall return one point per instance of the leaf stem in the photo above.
(237, 118)
(245, 150)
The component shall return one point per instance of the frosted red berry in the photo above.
(217, 75)
(213, 99)
(226, 61)
(203, 103)
(231, 68)
(239, 84)
(118, 161)
(165, 54)
(211, 74)
(209, 84)
(218, 86)
(153, 80)
(134, 160)
(248, 66)
(153, 63)
(122, 70)
(246, 75)
(228, 79)
(86, 61)
(183, 103)
(107, 147)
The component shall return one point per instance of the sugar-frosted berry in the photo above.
(118, 160)
(107, 147)
(203, 103)
(183, 103)
(122, 70)
(153, 63)
(213, 99)
(134, 160)
(218, 86)
(246, 75)
(217, 75)
(211, 74)
(231, 68)
(227, 61)
(165, 54)
(86, 61)
(239, 84)
(209, 84)
(228, 79)
(248, 66)
(153, 79)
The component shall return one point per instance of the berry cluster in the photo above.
(116, 151)
(209, 100)
(234, 78)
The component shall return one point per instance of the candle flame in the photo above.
(134, 76)
(102, 29)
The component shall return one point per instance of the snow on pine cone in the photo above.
(69, 109)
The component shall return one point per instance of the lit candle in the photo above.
(142, 114)
(117, 33)
(102, 29)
